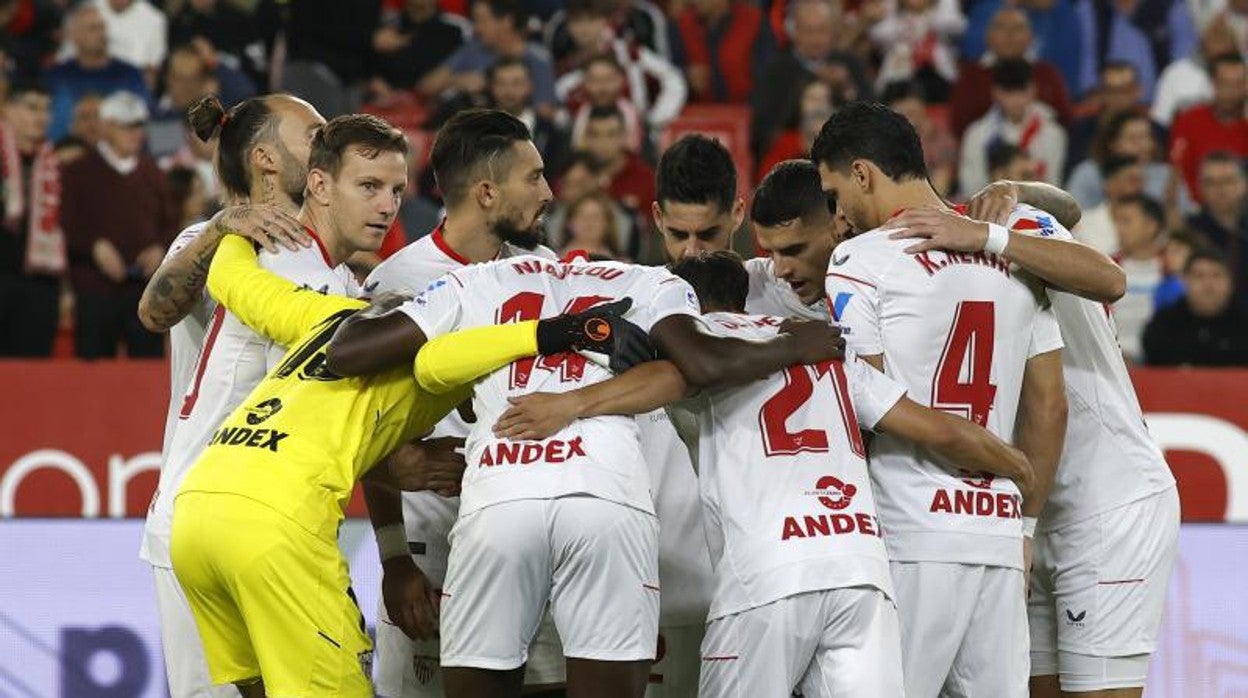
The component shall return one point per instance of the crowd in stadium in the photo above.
(1137, 109)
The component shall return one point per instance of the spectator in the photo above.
(1219, 125)
(32, 247)
(1009, 38)
(1126, 134)
(186, 79)
(812, 56)
(916, 41)
(498, 32)
(90, 71)
(627, 178)
(1057, 34)
(940, 150)
(815, 107)
(1174, 255)
(1185, 83)
(231, 31)
(1224, 217)
(726, 45)
(117, 217)
(29, 36)
(86, 120)
(136, 34)
(1140, 223)
(511, 91)
(1205, 328)
(1148, 35)
(197, 155)
(582, 177)
(1117, 92)
(1008, 162)
(410, 43)
(1015, 118)
(638, 22)
(1123, 178)
(653, 84)
(591, 226)
(603, 85)
(329, 46)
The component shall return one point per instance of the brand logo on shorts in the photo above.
(425, 667)
(981, 480)
(833, 493)
(1075, 620)
(261, 412)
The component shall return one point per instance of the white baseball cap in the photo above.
(123, 107)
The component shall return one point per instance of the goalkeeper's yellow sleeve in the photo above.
(461, 357)
(275, 307)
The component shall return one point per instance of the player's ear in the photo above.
(860, 173)
(486, 193)
(656, 212)
(263, 159)
(738, 213)
(318, 186)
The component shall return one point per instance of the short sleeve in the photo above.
(184, 238)
(438, 309)
(1046, 336)
(671, 295)
(854, 301)
(1033, 221)
(872, 393)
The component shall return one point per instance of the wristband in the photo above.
(391, 541)
(998, 238)
(1029, 527)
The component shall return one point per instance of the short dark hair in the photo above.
(237, 132)
(503, 64)
(1001, 154)
(1222, 157)
(370, 135)
(898, 90)
(1115, 164)
(719, 278)
(697, 170)
(504, 8)
(1118, 64)
(468, 140)
(575, 9)
(791, 191)
(1112, 128)
(1224, 59)
(605, 59)
(1206, 254)
(27, 85)
(1011, 74)
(609, 111)
(1149, 206)
(873, 132)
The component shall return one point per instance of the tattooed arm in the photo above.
(178, 283)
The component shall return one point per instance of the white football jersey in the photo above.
(772, 296)
(601, 456)
(428, 517)
(1108, 459)
(232, 361)
(956, 329)
(783, 475)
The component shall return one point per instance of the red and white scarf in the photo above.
(45, 242)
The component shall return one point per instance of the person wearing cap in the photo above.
(117, 216)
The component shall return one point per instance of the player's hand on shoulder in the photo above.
(410, 599)
(537, 415)
(938, 229)
(814, 340)
(267, 225)
(435, 465)
(994, 202)
(601, 329)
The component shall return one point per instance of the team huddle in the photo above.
(897, 455)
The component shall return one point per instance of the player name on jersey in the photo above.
(562, 271)
(935, 260)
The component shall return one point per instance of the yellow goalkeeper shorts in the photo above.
(271, 600)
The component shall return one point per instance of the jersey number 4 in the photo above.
(527, 305)
(963, 381)
(799, 386)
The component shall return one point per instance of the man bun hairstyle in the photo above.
(237, 131)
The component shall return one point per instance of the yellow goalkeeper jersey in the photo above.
(302, 438)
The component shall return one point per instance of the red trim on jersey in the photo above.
(574, 255)
(961, 208)
(320, 246)
(440, 242)
(851, 278)
(188, 403)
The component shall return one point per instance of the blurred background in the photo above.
(1136, 107)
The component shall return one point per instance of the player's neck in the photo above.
(469, 236)
(914, 193)
(333, 242)
(266, 192)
